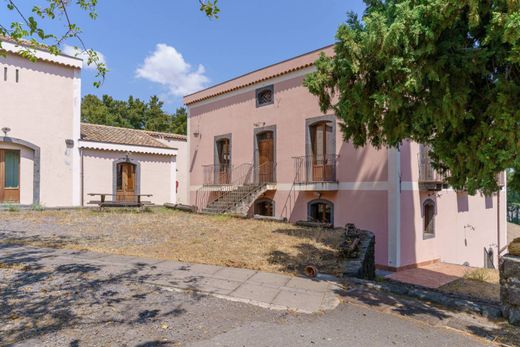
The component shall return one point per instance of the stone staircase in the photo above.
(237, 200)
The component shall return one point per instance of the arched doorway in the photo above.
(126, 181)
(13, 189)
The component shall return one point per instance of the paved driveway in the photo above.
(76, 300)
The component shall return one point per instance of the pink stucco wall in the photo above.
(377, 190)
(237, 115)
(464, 224)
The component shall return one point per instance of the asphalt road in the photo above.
(81, 304)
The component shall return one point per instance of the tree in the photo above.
(29, 33)
(133, 113)
(444, 73)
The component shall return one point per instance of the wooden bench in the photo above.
(133, 200)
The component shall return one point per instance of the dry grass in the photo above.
(167, 234)
(477, 283)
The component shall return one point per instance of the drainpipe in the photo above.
(82, 176)
(498, 224)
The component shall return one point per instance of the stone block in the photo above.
(514, 315)
(513, 296)
(510, 267)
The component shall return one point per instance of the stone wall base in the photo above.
(510, 287)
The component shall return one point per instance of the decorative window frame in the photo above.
(137, 174)
(428, 202)
(321, 201)
(261, 90)
(218, 138)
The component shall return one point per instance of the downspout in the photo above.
(498, 224)
(82, 176)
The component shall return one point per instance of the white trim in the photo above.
(76, 135)
(43, 55)
(341, 186)
(126, 148)
(407, 185)
(253, 87)
(394, 208)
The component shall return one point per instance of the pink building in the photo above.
(259, 144)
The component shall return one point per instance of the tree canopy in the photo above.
(444, 73)
(30, 31)
(133, 113)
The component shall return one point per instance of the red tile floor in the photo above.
(431, 276)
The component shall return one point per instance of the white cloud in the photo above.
(76, 52)
(167, 67)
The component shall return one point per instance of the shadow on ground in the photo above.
(41, 295)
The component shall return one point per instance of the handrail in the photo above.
(243, 174)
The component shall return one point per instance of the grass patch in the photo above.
(483, 275)
(176, 235)
(477, 283)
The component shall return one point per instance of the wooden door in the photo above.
(266, 157)
(322, 152)
(9, 176)
(126, 182)
(223, 169)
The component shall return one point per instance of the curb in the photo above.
(450, 301)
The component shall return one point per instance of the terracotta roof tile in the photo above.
(160, 134)
(122, 136)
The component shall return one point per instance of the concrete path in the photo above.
(268, 290)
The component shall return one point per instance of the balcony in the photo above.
(221, 176)
(316, 173)
(429, 178)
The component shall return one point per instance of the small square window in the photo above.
(264, 96)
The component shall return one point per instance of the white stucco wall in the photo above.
(156, 176)
(42, 109)
(182, 167)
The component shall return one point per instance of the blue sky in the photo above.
(248, 35)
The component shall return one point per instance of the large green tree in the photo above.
(445, 73)
(133, 113)
(31, 28)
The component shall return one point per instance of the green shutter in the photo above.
(12, 169)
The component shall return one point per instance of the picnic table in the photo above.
(132, 200)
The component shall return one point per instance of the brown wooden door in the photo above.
(223, 169)
(9, 176)
(322, 152)
(126, 182)
(266, 157)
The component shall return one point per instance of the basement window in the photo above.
(264, 96)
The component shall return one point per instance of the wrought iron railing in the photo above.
(242, 180)
(314, 169)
